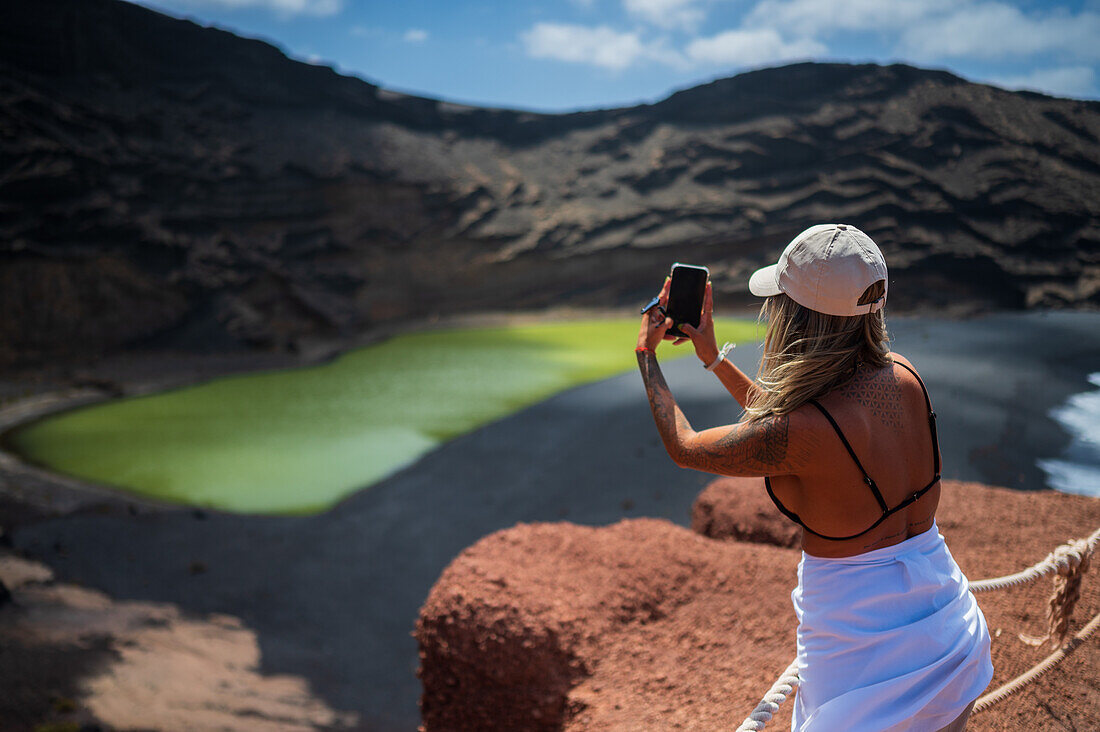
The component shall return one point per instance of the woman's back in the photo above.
(889, 636)
(884, 416)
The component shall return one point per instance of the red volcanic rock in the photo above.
(738, 508)
(646, 625)
(639, 624)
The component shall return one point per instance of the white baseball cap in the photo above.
(825, 268)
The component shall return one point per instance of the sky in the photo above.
(581, 54)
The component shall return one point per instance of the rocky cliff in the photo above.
(166, 184)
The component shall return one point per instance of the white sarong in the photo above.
(888, 640)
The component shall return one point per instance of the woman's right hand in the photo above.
(706, 348)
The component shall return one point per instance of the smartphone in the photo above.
(685, 296)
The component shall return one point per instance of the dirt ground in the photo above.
(646, 625)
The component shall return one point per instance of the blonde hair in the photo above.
(807, 354)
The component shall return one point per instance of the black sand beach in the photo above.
(332, 598)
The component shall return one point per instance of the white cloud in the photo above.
(603, 46)
(750, 47)
(821, 17)
(600, 46)
(1063, 42)
(937, 30)
(666, 13)
(1069, 81)
(995, 30)
(282, 8)
(416, 35)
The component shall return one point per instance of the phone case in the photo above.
(685, 296)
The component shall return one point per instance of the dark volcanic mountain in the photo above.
(168, 184)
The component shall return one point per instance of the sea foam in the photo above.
(1078, 468)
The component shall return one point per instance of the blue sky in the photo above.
(574, 54)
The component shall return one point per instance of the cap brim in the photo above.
(763, 282)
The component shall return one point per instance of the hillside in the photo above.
(169, 185)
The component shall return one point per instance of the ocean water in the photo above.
(1077, 470)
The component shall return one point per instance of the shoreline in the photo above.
(25, 399)
(105, 370)
(30, 491)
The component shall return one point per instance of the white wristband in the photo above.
(721, 356)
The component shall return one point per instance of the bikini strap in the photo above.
(931, 421)
(783, 509)
(886, 512)
(866, 478)
(798, 520)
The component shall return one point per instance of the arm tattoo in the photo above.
(753, 449)
(764, 447)
(758, 446)
(671, 422)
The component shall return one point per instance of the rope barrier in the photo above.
(1039, 669)
(1070, 561)
(1058, 557)
(783, 687)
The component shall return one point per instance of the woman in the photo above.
(843, 434)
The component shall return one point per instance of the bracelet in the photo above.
(643, 349)
(721, 356)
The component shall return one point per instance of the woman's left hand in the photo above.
(655, 324)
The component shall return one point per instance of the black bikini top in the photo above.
(886, 512)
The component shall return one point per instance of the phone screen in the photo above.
(685, 296)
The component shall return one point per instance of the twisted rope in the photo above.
(1039, 669)
(1067, 591)
(1067, 553)
(1070, 561)
(783, 687)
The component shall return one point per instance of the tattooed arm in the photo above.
(780, 445)
(671, 422)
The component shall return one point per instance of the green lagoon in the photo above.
(299, 440)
